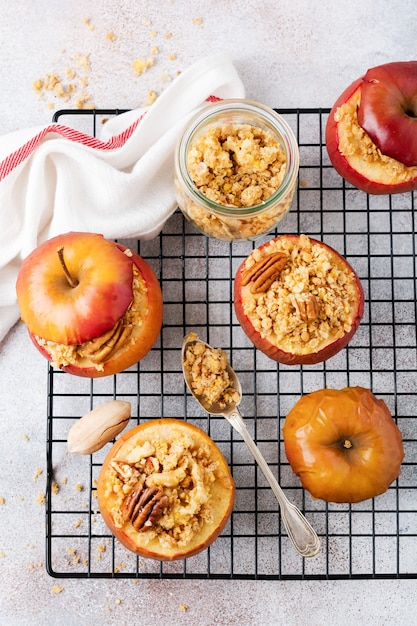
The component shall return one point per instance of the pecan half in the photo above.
(101, 348)
(143, 506)
(263, 273)
(306, 307)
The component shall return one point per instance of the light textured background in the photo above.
(289, 53)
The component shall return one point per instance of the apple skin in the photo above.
(223, 492)
(344, 167)
(388, 109)
(343, 444)
(143, 338)
(59, 312)
(274, 352)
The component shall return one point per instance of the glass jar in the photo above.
(236, 169)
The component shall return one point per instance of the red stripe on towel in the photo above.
(18, 156)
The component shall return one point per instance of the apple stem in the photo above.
(71, 281)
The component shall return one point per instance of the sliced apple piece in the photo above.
(353, 152)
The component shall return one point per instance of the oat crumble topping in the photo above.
(209, 378)
(311, 271)
(236, 165)
(184, 470)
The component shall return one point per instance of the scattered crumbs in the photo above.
(146, 22)
(184, 607)
(60, 88)
(2, 500)
(57, 589)
(117, 601)
(303, 183)
(64, 481)
(153, 34)
(198, 21)
(55, 488)
(172, 57)
(40, 498)
(139, 65)
(95, 483)
(21, 498)
(78, 523)
(83, 61)
(79, 487)
(37, 474)
(165, 78)
(121, 566)
(94, 493)
(134, 581)
(101, 547)
(168, 36)
(151, 96)
(110, 36)
(25, 438)
(87, 22)
(107, 608)
(71, 551)
(154, 50)
(2, 554)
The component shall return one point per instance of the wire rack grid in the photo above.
(373, 539)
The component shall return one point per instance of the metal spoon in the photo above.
(302, 535)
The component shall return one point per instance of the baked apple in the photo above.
(165, 491)
(298, 300)
(92, 307)
(371, 132)
(343, 444)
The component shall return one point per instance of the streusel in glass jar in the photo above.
(236, 169)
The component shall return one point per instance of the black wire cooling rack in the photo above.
(373, 539)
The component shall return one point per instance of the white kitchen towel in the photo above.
(55, 179)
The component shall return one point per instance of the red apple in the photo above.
(298, 300)
(177, 493)
(371, 131)
(92, 307)
(343, 444)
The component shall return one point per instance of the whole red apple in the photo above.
(298, 300)
(92, 307)
(343, 444)
(371, 131)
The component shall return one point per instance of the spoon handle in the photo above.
(300, 532)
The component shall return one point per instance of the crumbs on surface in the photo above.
(70, 85)
(41, 498)
(57, 589)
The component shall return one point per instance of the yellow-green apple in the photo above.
(371, 131)
(343, 444)
(92, 307)
(298, 300)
